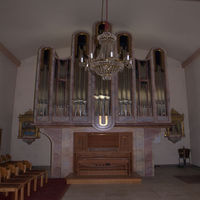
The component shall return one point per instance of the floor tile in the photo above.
(163, 186)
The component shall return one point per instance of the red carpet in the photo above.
(53, 190)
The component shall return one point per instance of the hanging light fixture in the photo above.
(107, 62)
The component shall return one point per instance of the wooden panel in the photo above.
(103, 153)
(103, 172)
(98, 140)
(127, 125)
(80, 142)
(73, 179)
(125, 142)
(102, 166)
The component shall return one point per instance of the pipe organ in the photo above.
(67, 93)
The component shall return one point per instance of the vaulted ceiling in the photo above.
(25, 25)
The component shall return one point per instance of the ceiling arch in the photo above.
(170, 24)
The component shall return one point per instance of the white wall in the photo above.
(38, 153)
(192, 73)
(166, 152)
(8, 73)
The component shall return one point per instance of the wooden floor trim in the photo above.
(73, 179)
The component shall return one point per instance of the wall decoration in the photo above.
(27, 131)
(176, 131)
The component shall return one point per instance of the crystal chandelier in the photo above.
(107, 62)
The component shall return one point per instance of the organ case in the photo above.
(103, 153)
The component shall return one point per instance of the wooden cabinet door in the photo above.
(80, 142)
(125, 142)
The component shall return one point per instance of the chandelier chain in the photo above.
(106, 28)
(102, 8)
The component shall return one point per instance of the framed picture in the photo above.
(27, 130)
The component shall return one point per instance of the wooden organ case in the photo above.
(103, 153)
(67, 94)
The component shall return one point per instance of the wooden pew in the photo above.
(16, 188)
(36, 173)
(26, 181)
(8, 187)
(25, 170)
(42, 173)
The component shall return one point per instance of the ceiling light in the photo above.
(107, 62)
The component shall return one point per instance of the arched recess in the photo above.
(55, 136)
(50, 149)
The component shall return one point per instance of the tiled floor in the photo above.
(164, 186)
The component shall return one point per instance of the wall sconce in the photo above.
(176, 131)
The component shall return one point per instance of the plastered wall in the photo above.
(8, 72)
(166, 152)
(192, 73)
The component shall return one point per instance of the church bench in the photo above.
(16, 188)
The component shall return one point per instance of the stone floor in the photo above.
(164, 186)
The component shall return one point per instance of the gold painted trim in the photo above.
(129, 42)
(162, 57)
(87, 42)
(97, 30)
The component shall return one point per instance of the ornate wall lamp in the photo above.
(176, 131)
